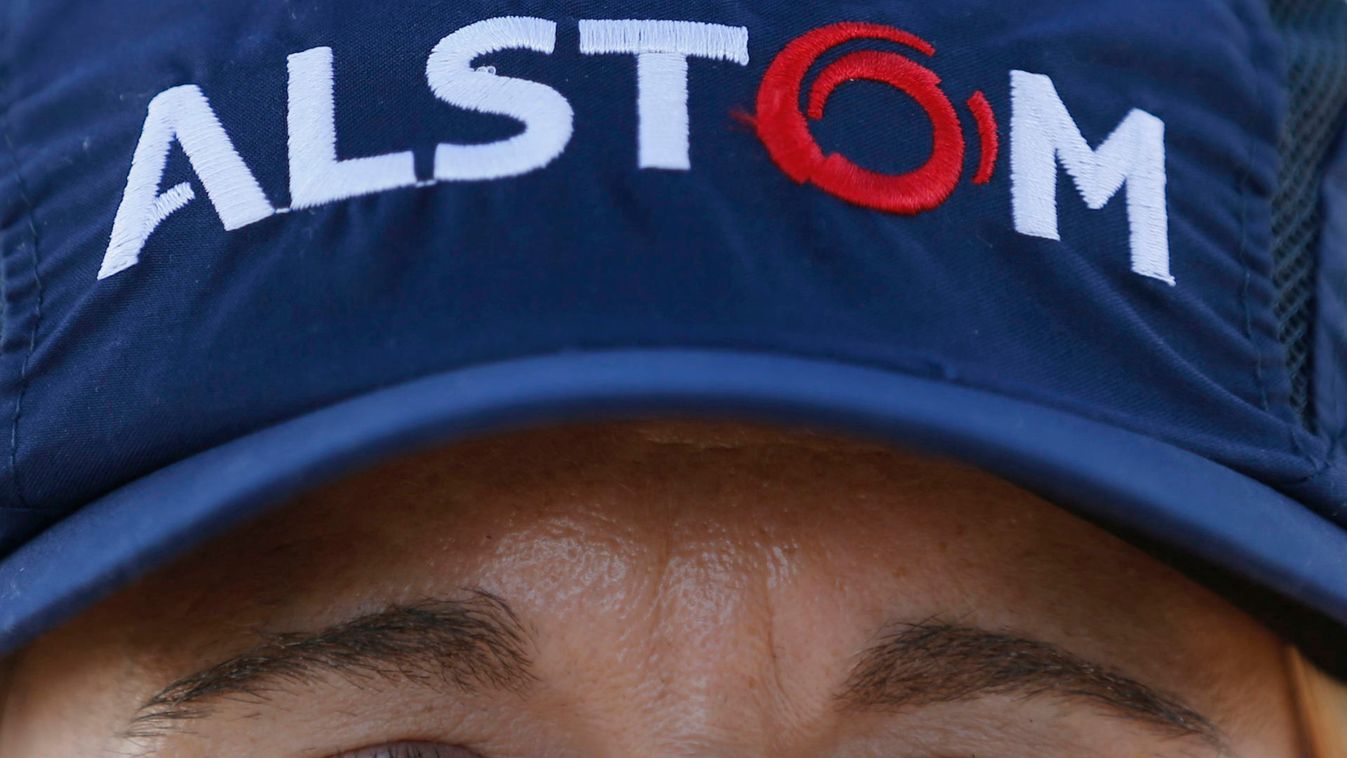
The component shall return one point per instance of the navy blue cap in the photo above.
(249, 246)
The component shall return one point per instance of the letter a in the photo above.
(184, 114)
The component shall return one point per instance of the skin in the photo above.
(680, 589)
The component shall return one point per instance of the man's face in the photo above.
(659, 590)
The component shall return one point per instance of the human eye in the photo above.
(409, 750)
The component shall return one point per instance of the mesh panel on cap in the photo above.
(1315, 34)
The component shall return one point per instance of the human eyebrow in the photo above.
(932, 663)
(464, 645)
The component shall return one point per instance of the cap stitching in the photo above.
(1248, 279)
(30, 218)
(1333, 444)
(1263, 64)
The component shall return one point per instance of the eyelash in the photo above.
(410, 750)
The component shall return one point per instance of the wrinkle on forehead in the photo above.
(682, 590)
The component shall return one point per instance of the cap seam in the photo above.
(1244, 295)
(1316, 465)
(30, 220)
(1263, 67)
(1334, 446)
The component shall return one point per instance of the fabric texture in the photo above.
(480, 190)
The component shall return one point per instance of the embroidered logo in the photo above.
(784, 129)
(1044, 138)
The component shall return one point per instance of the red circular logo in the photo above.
(784, 129)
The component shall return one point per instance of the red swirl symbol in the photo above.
(784, 130)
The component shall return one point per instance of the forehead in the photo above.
(563, 516)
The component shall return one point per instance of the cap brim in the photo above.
(1115, 476)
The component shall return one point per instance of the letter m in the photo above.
(1043, 133)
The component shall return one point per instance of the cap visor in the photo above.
(1102, 472)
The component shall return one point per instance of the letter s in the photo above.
(547, 116)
